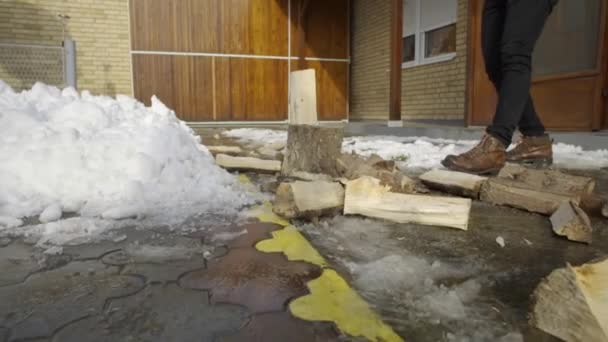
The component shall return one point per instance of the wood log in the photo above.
(247, 163)
(352, 166)
(366, 196)
(572, 303)
(225, 150)
(572, 222)
(310, 177)
(501, 191)
(457, 183)
(552, 181)
(303, 98)
(312, 149)
(268, 153)
(308, 199)
(593, 204)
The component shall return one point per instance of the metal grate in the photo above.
(23, 65)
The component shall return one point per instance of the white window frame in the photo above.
(420, 43)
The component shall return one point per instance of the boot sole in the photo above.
(534, 163)
(488, 172)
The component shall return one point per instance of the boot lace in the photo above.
(475, 151)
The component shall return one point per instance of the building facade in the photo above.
(31, 29)
(220, 60)
(432, 88)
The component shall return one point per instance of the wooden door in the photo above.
(568, 68)
(229, 60)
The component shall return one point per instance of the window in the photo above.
(429, 31)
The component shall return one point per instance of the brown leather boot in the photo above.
(537, 151)
(487, 157)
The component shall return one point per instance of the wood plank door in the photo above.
(568, 68)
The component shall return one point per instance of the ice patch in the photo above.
(228, 236)
(430, 299)
(9, 222)
(500, 241)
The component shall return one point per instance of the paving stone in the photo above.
(5, 242)
(157, 263)
(163, 273)
(281, 326)
(3, 334)
(262, 282)
(158, 313)
(141, 254)
(256, 232)
(48, 300)
(122, 238)
(17, 261)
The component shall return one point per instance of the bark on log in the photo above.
(247, 163)
(552, 181)
(225, 150)
(502, 191)
(457, 183)
(308, 199)
(572, 303)
(593, 204)
(366, 196)
(312, 149)
(572, 222)
(352, 166)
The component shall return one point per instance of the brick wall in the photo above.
(433, 91)
(370, 59)
(100, 29)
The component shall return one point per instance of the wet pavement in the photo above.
(155, 285)
(438, 284)
(212, 284)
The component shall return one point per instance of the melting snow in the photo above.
(96, 156)
(437, 300)
(424, 152)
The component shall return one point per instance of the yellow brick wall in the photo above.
(370, 59)
(99, 27)
(433, 91)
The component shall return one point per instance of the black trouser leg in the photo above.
(523, 22)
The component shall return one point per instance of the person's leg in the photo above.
(530, 124)
(524, 22)
(489, 155)
(492, 24)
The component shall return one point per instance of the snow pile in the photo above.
(99, 157)
(423, 152)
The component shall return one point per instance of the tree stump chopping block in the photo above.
(312, 149)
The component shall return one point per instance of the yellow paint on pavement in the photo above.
(244, 179)
(293, 244)
(264, 213)
(332, 299)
